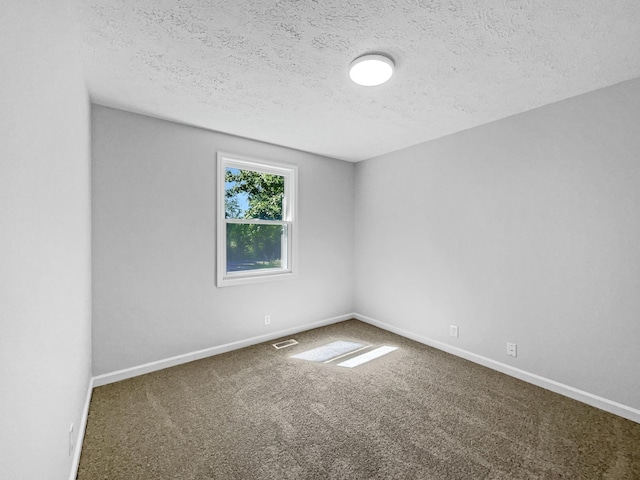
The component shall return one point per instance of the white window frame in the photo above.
(289, 253)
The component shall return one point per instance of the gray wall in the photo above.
(45, 324)
(154, 243)
(524, 230)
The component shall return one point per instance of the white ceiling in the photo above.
(276, 70)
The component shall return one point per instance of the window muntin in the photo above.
(256, 229)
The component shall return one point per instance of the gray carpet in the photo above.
(415, 413)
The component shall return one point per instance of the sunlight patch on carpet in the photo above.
(367, 357)
(328, 351)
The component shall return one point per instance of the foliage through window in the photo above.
(255, 220)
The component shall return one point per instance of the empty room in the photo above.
(319, 239)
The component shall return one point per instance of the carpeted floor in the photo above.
(415, 413)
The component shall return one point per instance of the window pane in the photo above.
(254, 247)
(250, 194)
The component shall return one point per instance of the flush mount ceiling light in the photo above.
(371, 70)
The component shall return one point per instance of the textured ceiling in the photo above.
(277, 70)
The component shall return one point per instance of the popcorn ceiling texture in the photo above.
(277, 70)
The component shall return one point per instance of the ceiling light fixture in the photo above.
(371, 70)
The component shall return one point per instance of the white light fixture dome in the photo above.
(371, 70)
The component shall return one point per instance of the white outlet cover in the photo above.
(453, 331)
(512, 349)
(71, 440)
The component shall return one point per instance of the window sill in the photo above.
(247, 279)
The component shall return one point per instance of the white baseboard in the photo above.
(610, 406)
(82, 428)
(118, 375)
(557, 387)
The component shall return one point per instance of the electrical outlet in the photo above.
(71, 440)
(512, 349)
(267, 319)
(453, 330)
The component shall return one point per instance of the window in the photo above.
(256, 220)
